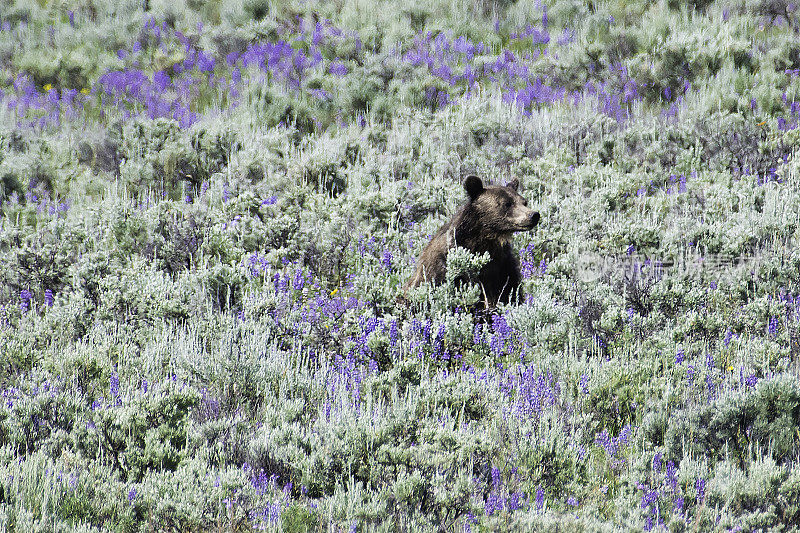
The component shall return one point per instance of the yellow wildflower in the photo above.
(84, 91)
(48, 86)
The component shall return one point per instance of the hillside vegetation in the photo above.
(209, 210)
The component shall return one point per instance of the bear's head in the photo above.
(499, 210)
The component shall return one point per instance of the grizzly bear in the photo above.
(485, 223)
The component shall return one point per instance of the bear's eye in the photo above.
(525, 202)
(508, 204)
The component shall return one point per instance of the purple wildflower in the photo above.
(338, 69)
(113, 388)
(658, 461)
(572, 501)
(25, 297)
(772, 327)
(393, 333)
(386, 260)
(700, 486)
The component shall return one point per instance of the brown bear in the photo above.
(485, 223)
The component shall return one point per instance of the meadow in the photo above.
(210, 208)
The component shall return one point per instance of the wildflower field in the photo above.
(209, 210)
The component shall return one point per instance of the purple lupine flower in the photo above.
(514, 501)
(649, 498)
(338, 68)
(386, 260)
(438, 343)
(700, 486)
(477, 334)
(495, 477)
(658, 462)
(582, 452)
(772, 327)
(727, 340)
(48, 298)
(678, 503)
(25, 297)
(712, 387)
(572, 501)
(679, 356)
(393, 333)
(205, 63)
(113, 388)
(672, 475)
(494, 503)
(584, 383)
(132, 495)
(161, 80)
(527, 264)
(299, 280)
(502, 334)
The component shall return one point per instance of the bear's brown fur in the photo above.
(485, 223)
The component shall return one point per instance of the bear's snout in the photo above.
(531, 219)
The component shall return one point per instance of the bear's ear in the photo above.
(474, 186)
(513, 184)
